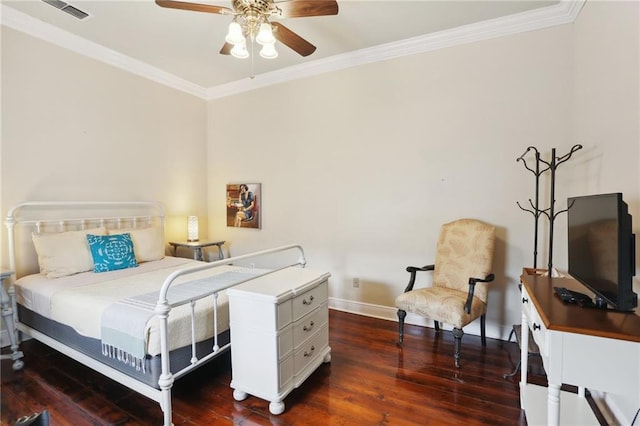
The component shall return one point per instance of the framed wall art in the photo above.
(243, 205)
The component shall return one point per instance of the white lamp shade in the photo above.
(240, 51)
(265, 35)
(192, 228)
(268, 51)
(234, 36)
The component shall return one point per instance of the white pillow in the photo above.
(64, 253)
(148, 243)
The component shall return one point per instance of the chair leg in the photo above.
(436, 324)
(457, 334)
(483, 334)
(401, 315)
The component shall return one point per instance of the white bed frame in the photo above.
(57, 217)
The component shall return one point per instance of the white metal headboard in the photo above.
(59, 216)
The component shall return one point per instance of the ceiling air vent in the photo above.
(65, 7)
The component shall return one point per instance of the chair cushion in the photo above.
(441, 304)
(465, 249)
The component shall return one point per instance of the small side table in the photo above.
(197, 247)
(8, 320)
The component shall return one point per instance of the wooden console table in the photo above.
(588, 348)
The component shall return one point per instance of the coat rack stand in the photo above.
(535, 209)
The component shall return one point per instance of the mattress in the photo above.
(36, 291)
(80, 300)
(179, 358)
(70, 309)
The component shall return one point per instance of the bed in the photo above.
(91, 280)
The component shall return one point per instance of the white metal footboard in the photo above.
(163, 306)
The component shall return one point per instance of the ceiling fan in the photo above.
(251, 21)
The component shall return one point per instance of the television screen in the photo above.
(601, 247)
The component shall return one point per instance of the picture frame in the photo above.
(243, 205)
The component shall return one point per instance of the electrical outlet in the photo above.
(356, 282)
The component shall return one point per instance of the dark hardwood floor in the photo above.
(370, 381)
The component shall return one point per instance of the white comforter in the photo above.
(80, 300)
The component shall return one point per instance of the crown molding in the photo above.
(19, 21)
(561, 13)
(564, 12)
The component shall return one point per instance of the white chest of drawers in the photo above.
(279, 333)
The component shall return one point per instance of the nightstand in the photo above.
(9, 323)
(197, 247)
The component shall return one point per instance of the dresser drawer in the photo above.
(309, 300)
(311, 349)
(284, 339)
(527, 304)
(539, 331)
(285, 373)
(308, 325)
(536, 327)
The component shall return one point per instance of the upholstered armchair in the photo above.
(462, 269)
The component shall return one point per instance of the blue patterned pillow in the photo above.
(111, 252)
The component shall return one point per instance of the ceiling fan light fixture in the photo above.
(251, 22)
(235, 36)
(268, 51)
(265, 34)
(240, 51)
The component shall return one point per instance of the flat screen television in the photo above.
(601, 248)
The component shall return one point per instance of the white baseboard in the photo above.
(366, 309)
(390, 314)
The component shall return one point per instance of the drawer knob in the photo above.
(525, 300)
(308, 354)
(304, 301)
(305, 328)
(536, 326)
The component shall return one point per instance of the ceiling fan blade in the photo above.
(293, 40)
(226, 49)
(302, 8)
(194, 6)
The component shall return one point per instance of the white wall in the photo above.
(605, 118)
(76, 129)
(606, 100)
(362, 166)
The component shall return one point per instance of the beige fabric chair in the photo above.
(464, 258)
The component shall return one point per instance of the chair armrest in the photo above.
(472, 286)
(413, 270)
